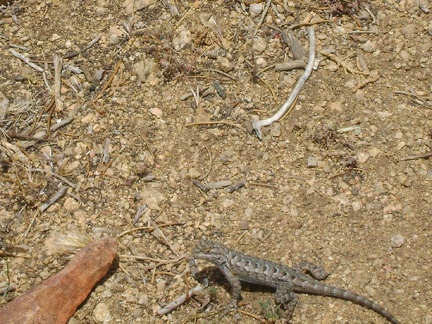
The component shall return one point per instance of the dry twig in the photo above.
(73, 54)
(222, 122)
(26, 60)
(180, 300)
(58, 64)
(340, 62)
(416, 157)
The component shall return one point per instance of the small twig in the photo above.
(118, 83)
(258, 124)
(105, 153)
(264, 14)
(288, 66)
(148, 228)
(159, 262)
(294, 45)
(210, 166)
(5, 290)
(12, 134)
(340, 173)
(20, 47)
(259, 319)
(262, 184)
(60, 193)
(239, 238)
(109, 81)
(371, 14)
(180, 300)
(62, 123)
(200, 185)
(50, 116)
(140, 212)
(26, 60)
(347, 129)
(58, 64)
(73, 54)
(365, 82)
(416, 157)
(269, 87)
(413, 97)
(236, 186)
(222, 73)
(123, 269)
(290, 109)
(159, 234)
(362, 32)
(339, 62)
(311, 23)
(219, 184)
(172, 8)
(222, 122)
(55, 175)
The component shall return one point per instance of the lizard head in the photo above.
(210, 251)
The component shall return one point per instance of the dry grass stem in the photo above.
(417, 157)
(259, 319)
(159, 262)
(148, 228)
(341, 63)
(109, 81)
(221, 122)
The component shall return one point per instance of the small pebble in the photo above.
(259, 45)
(369, 47)
(397, 241)
(312, 162)
(137, 313)
(224, 64)
(244, 225)
(276, 130)
(157, 112)
(101, 313)
(256, 8)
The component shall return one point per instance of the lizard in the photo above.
(238, 267)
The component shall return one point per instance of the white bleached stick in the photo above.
(176, 303)
(26, 60)
(256, 123)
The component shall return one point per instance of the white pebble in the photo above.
(397, 241)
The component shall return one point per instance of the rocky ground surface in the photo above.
(157, 112)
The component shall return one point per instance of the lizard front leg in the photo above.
(235, 285)
(195, 272)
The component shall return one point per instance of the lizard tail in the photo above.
(326, 290)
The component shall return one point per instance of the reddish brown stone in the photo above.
(56, 299)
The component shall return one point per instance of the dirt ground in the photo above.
(157, 114)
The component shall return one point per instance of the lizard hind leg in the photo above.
(286, 298)
(315, 271)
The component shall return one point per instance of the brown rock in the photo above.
(56, 299)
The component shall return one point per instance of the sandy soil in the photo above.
(339, 181)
